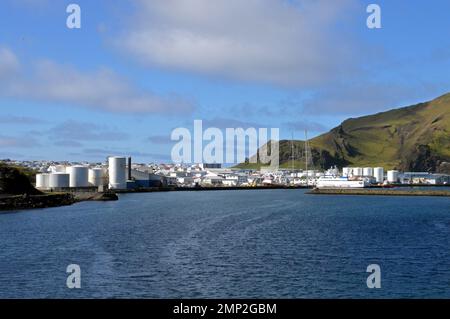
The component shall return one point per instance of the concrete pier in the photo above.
(380, 192)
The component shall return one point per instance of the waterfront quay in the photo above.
(381, 192)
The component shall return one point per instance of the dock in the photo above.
(379, 192)
(208, 188)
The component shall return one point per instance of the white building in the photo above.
(212, 179)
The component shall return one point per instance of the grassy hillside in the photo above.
(413, 138)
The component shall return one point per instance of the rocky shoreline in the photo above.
(47, 200)
(20, 202)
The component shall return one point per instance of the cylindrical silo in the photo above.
(96, 176)
(392, 176)
(378, 173)
(59, 180)
(42, 181)
(117, 172)
(57, 169)
(346, 171)
(368, 171)
(357, 171)
(79, 176)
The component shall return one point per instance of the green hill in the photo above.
(413, 138)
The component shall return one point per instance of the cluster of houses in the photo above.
(207, 175)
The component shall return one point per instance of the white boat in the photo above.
(268, 180)
(328, 181)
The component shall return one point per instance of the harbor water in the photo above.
(229, 244)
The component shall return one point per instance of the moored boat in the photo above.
(328, 181)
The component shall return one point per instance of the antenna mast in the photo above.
(306, 157)
(292, 151)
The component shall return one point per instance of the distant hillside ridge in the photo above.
(412, 138)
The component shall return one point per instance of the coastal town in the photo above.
(231, 159)
(120, 173)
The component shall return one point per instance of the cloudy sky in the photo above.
(138, 69)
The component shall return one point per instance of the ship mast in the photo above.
(306, 157)
(292, 151)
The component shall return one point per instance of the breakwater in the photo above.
(19, 202)
(379, 192)
(207, 188)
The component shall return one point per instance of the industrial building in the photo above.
(118, 173)
(374, 175)
(143, 179)
(73, 177)
(424, 178)
(117, 170)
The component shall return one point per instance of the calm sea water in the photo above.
(258, 243)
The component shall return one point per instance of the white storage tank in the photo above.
(357, 171)
(378, 173)
(96, 176)
(346, 171)
(79, 176)
(368, 171)
(392, 176)
(42, 181)
(57, 169)
(59, 180)
(117, 167)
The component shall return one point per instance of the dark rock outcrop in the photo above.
(20, 202)
(13, 182)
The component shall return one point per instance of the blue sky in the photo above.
(138, 69)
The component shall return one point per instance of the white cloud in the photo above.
(23, 141)
(20, 120)
(105, 152)
(100, 89)
(84, 131)
(9, 64)
(160, 139)
(300, 125)
(223, 123)
(360, 99)
(273, 41)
